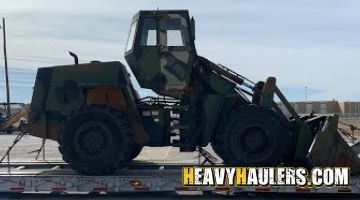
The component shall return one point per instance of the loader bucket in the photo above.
(329, 149)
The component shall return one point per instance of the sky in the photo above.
(313, 44)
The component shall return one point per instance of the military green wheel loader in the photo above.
(100, 121)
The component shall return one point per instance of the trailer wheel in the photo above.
(252, 136)
(95, 139)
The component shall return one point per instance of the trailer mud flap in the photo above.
(329, 149)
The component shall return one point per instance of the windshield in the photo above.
(130, 41)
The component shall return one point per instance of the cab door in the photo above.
(177, 52)
(142, 50)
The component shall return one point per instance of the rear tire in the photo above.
(95, 139)
(252, 136)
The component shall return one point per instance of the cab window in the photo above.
(174, 33)
(148, 32)
(131, 37)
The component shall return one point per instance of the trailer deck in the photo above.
(58, 177)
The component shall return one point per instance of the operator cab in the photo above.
(160, 50)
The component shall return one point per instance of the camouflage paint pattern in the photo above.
(163, 68)
(61, 90)
(206, 93)
(168, 70)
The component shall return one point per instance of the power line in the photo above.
(33, 60)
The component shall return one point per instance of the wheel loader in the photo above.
(100, 121)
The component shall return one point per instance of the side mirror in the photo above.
(192, 28)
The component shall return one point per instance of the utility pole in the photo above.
(306, 93)
(8, 113)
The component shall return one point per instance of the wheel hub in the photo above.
(92, 139)
(253, 140)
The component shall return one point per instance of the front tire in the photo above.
(252, 136)
(95, 139)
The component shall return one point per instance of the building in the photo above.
(349, 109)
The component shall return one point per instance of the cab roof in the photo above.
(156, 12)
